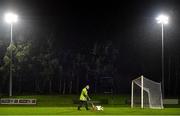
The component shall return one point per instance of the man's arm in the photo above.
(86, 95)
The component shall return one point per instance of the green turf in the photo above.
(63, 105)
(73, 111)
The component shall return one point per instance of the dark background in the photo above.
(125, 33)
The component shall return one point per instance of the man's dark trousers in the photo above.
(81, 103)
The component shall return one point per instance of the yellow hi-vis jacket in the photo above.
(84, 95)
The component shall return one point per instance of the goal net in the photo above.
(146, 93)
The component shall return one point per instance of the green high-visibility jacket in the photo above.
(84, 95)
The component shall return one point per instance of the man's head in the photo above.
(87, 87)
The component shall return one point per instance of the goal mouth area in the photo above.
(157, 108)
(147, 107)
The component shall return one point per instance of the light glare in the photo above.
(162, 19)
(11, 18)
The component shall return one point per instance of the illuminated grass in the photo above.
(63, 105)
(74, 111)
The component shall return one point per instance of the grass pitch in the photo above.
(74, 111)
(63, 105)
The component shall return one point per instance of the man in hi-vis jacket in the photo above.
(84, 97)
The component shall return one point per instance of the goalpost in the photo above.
(146, 93)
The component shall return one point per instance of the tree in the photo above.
(22, 59)
(49, 62)
(20, 54)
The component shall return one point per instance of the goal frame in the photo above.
(142, 94)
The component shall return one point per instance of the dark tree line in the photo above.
(41, 66)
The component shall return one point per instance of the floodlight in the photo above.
(11, 18)
(162, 19)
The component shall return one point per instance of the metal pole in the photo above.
(132, 94)
(142, 94)
(10, 78)
(163, 59)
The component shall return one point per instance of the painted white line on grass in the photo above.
(89, 115)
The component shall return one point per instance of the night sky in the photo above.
(82, 22)
(130, 25)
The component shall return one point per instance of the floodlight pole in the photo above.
(162, 19)
(132, 94)
(162, 56)
(142, 93)
(11, 18)
(10, 77)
